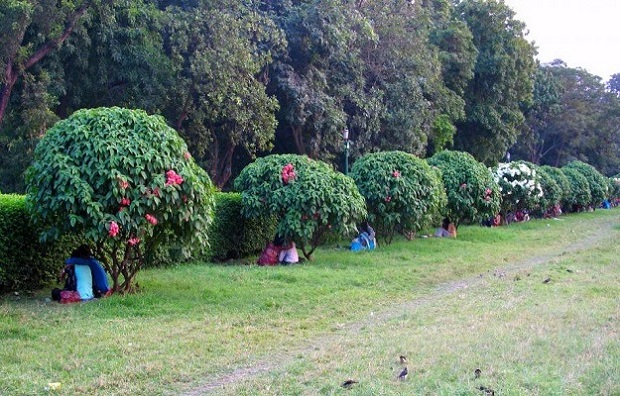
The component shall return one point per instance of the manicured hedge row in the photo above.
(25, 263)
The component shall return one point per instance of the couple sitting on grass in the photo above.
(84, 278)
(447, 229)
(279, 251)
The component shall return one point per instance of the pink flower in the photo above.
(123, 184)
(187, 155)
(388, 198)
(488, 191)
(396, 174)
(133, 241)
(487, 198)
(125, 201)
(113, 229)
(173, 178)
(288, 173)
(151, 219)
(464, 185)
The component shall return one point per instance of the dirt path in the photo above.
(324, 343)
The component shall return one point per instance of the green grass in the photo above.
(449, 305)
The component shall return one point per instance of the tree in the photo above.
(307, 196)
(31, 30)
(125, 182)
(219, 102)
(502, 80)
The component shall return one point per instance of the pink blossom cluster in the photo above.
(133, 241)
(288, 173)
(173, 178)
(123, 184)
(487, 194)
(114, 229)
(396, 174)
(151, 219)
(125, 202)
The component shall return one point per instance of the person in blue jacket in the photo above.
(82, 256)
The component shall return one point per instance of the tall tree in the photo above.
(220, 51)
(502, 80)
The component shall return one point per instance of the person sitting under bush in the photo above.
(84, 278)
(279, 252)
(366, 238)
(288, 253)
(447, 229)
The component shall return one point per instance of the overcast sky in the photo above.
(583, 33)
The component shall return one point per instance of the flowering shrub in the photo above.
(580, 195)
(519, 184)
(596, 181)
(473, 194)
(308, 198)
(402, 192)
(123, 180)
(552, 192)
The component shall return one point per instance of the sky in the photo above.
(583, 33)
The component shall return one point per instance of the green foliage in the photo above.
(520, 186)
(562, 181)
(125, 181)
(473, 194)
(596, 181)
(580, 195)
(402, 192)
(553, 193)
(614, 183)
(232, 235)
(26, 263)
(307, 197)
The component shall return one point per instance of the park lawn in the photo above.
(449, 305)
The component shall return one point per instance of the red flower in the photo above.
(113, 229)
(488, 191)
(133, 241)
(125, 201)
(288, 173)
(173, 178)
(388, 198)
(396, 174)
(151, 219)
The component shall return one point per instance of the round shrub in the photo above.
(519, 185)
(614, 183)
(402, 191)
(580, 195)
(552, 192)
(563, 184)
(596, 181)
(473, 194)
(308, 198)
(125, 181)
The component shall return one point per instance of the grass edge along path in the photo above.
(281, 363)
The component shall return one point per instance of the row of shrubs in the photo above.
(26, 263)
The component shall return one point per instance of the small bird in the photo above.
(348, 384)
(477, 373)
(403, 374)
(403, 359)
(569, 270)
(547, 280)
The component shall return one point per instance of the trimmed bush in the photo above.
(402, 192)
(552, 192)
(233, 236)
(308, 198)
(580, 195)
(563, 184)
(519, 184)
(596, 182)
(26, 263)
(125, 181)
(614, 183)
(473, 194)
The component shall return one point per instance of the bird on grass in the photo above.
(547, 280)
(487, 391)
(348, 384)
(477, 373)
(403, 374)
(403, 359)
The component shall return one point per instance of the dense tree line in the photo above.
(242, 79)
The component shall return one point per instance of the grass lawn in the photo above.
(450, 306)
